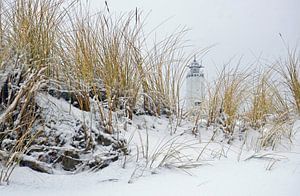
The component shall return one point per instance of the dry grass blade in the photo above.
(227, 96)
(33, 30)
(273, 134)
(165, 65)
(290, 71)
(266, 100)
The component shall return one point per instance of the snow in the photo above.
(223, 169)
(225, 177)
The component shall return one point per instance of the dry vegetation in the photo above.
(57, 47)
(244, 100)
(289, 69)
(226, 98)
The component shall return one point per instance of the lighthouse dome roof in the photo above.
(195, 64)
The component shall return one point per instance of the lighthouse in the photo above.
(195, 85)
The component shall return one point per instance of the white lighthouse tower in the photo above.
(195, 85)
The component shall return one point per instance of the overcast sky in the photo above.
(238, 27)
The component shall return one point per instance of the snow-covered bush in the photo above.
(55, 59)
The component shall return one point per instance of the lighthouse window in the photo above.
(195, 70)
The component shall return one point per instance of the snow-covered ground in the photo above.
(222, 169)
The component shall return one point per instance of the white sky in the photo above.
(239, 27)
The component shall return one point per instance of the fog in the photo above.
(237, 28)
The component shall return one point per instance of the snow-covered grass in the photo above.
(85, 100)
(102, 66)
(227, 96)
(255, 173)
(265, 99)
(289, 69)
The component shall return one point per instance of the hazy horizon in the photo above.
(247, 29)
